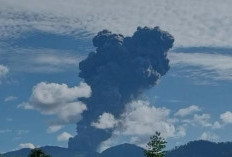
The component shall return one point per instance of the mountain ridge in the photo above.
(192, 149)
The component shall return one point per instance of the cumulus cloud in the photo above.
(60, 100)
(210, 25)
(26, 145)
(226, 117)
(217, 125)
(203, 120)
(208, 136)
(64, 137)
(181, 131)
(3, 72)
(139, 121)
(105, 121)
(140, 118)
(187, 111)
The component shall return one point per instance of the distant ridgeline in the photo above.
(202, 149)
(192, 149)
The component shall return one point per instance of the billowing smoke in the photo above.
(118, 72)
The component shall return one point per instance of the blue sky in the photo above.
(42, 42)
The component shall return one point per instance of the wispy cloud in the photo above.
(187, 111)
(209, 136)
(10, 98)
(203, 120)
(209, 25)
(18, 132)
(25, 145)
(5, 131)
(54, 128)
(3, 71)
(209, 65)
(9, 119)
(38, 60)
(21, 132)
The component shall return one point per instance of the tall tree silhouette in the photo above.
(155, 146)
(37, 153)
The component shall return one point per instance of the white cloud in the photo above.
(10, 98)
(9, 119)
(139, 121)
(5, 131)
(216, 125)
(26, 145)
(226, 117)
(54, 128)
(209, 25)
(64, 137)
(60, 100)
(212, 66)
(187, 111)
(208, 136)
(105, 121)
(181, 131)
(20, 132)
(3, 72)
(140, 118)
(204, 121)
(55, 60)
(39, 60)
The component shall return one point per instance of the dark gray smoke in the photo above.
(118, 72)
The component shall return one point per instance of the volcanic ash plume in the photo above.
(118, 72)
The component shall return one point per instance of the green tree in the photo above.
(37, 153)
(155, 146)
